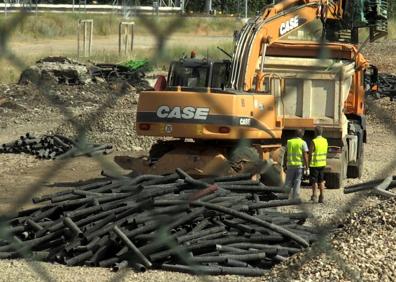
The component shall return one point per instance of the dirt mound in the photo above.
(58, 69)
(111, 109)
(112, 124)
(62, 70)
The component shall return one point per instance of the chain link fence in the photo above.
(161, 34)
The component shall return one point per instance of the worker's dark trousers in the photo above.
(293, 181)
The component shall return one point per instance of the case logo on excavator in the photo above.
(244, 121)
(183, 113)
(289, 25)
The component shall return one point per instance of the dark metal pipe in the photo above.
(195, 235)
(47, 213)
(80, 258)
(119, 265)
(238, 182)
(109, 262)
(254, 220)
(132, 247)
(138, 267)
(265, 247)
(99, 216)
(237, 263)
(230, 178)
(81, 212)
(239, 226)
(161, 180)
(228, 249)
(211, 236)
(252, 188)
(9, 255)
(214, 270)
(190, 180)
(222, 258)
(90, 246)
(100, 223)
(275, 203)
(70, 223)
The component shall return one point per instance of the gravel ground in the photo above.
(362, 240)
(24, 106)
(363, 248)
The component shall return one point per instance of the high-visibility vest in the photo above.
(319, 155)
(295, 152)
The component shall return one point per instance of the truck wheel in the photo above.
(356, 171)
(335, 180)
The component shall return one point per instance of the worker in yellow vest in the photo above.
(297, 161)
(317, 163)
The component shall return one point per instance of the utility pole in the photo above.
(246, 9)
(208, 6)
(182, 5)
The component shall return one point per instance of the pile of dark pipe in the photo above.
(52, 147)
(386, 85)
(223, 225)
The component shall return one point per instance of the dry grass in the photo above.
(65, 25)
(10, 74)
(47, 27)
(50, 31)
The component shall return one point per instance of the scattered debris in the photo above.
(52, 147)
(62, 70)
(116, 72)
(378, 187)
(386, 86)
(227, 225)
(11, 105)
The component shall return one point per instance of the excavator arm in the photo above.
(273, 24)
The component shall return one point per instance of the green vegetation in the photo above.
(142, 64)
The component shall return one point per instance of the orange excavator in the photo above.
(294, 66)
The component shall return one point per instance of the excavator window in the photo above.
(220, 75)
(196, 74)
(188, 75)
(265, 86)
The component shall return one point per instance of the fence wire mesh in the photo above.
(161, 35)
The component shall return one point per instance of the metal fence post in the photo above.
(126, 36)
(86, 27)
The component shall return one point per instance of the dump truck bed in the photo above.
(313, 91)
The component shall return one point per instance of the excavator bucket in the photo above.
(195, 161)
(200, 160)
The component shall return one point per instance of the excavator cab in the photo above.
(198, 74)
